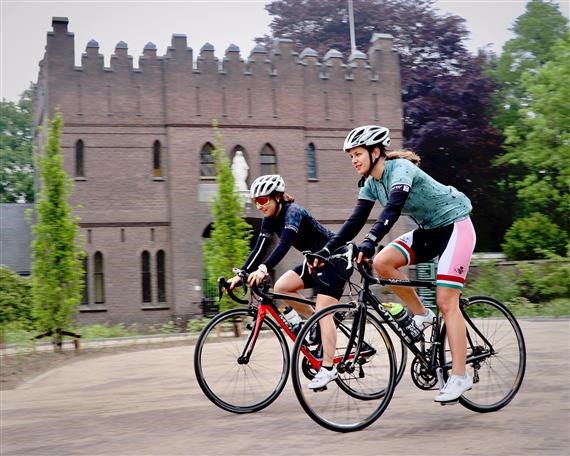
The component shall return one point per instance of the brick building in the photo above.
(137, 142)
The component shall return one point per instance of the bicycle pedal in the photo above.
(318, 390)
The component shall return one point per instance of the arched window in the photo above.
(161, 275)
(85, 297)
(99, 278)
(311, 161)
(79, 159)
(157, 159)
(267, 160)
(207, 166)
(146, 277)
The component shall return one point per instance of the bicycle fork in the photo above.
(252, 337)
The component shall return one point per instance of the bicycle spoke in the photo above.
(362, 391)
(500, 374)
(235, 387)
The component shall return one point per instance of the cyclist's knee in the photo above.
(448, 300)
(383, 266)
(281, 286)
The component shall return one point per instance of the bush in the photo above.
(196, 325)
(543, 282)
(534, 237)
(104, 331)
(15, 299)
(529, 288)
(494, 281)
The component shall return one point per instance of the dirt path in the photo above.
(148, 403)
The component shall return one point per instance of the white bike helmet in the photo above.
(367, 135)
(266, 185)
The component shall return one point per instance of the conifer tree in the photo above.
(228, 245)
(57, 272)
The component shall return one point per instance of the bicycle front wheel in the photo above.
(231, 383)
(365, 383)
(496, 354)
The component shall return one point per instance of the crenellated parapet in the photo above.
(272, 83)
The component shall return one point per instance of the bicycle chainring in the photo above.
(421, 377)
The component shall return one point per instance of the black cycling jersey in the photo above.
(295, 227)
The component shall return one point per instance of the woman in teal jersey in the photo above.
(444, 230)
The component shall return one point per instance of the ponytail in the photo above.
(285, 197)
(407, 154)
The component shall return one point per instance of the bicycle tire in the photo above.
(351, 402)
(234, 387)
(501, 374)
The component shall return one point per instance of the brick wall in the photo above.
(278, 98)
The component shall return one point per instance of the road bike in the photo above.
(496, 357)
(242, 360)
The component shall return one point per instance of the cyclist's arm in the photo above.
(286, 240)
(257, 254)
(353, 224)
(396, 199)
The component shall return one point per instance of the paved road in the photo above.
(148, 403)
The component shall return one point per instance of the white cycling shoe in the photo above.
(456, 385)
(323, 377)
(423, 321)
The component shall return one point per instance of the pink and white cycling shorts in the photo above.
(453, 244)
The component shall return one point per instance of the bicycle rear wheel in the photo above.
(498, 374)
(364, 386)
(234, 386)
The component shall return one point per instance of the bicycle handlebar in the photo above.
(261, 292)
(223, 284)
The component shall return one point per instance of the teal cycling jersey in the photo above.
(430, 204)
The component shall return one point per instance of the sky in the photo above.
(24, 24)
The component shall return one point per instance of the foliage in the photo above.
(17, 171)
(57, 270)
(539, 283)
(228, 245)
(539, 146)
(536, 31)
(15, 301)
(492, 280)
(444, 91)
(534, 237)
(105, 331)
(531, 288)
(196, 325)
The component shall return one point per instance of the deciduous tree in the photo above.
(444, 91)
(535, 31)
(539, 145)
(16, 170)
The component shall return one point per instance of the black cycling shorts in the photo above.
(329, 280)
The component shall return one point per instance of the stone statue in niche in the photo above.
(240, 170)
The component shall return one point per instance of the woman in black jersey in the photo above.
(295, 227)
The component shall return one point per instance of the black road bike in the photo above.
(496, 356)
(242, 356)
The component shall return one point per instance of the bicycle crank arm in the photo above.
(439, 375)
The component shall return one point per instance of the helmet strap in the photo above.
(373, 162)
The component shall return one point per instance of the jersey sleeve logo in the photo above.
(292, 227)
(401, 188)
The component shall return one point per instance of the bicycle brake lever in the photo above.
(222, 284)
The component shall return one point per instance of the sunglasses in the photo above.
(261, 201)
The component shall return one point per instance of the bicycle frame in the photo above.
(368, 298)
(265, 306)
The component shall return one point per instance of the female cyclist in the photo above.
(297, 228)
(445, 231)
